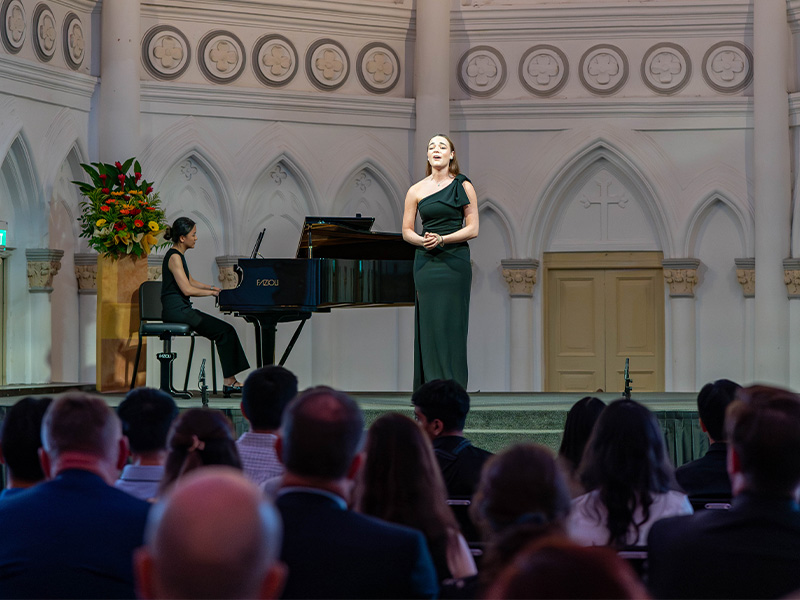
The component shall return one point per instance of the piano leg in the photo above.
(266, 326)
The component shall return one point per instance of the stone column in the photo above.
(227, 276)
(86, 274)
(155, 262)
(118, 107)
(431, 78)
(791, 272)
(681, 275)
(43, 265)
(772, 182)
(746, 275)
(520, 275)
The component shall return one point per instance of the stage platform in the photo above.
(496, 419)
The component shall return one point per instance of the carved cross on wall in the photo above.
(604, 199)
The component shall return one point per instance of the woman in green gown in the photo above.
(448, 207)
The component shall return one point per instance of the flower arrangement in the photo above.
(121, 214)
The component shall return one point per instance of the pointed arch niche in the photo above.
(367, 191)
(716, 236)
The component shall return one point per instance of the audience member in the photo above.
(577, 429)
(265, 394)
(73, 536)
(199, 437)
(146, 415)
(753, 549)
(213, 536)
(707, 477)
(400, 482)
(20, 440)
(522, 495)
(555, 567)
(626, 467)
(332, 552)
(441, 407)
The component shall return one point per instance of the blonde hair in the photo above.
(453, 167)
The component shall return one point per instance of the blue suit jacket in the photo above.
(71, 537)
(333, 552)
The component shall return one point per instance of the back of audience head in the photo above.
(20, 440)
(578, 428)
(441, 407)
(80, 426)
(214, 536)
(400, 480)
(763, 428)
(712, 401)
(627, 463)
(554, 567)
(199, 437)
(265, 394)
(321, 434)
(146, 415)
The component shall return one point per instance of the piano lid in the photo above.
(350, 237)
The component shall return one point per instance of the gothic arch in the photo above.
(702, 212)
(63, 140)
(18, 176)
(489, 206)
(543, 220)
(390, 187)
(299, 172)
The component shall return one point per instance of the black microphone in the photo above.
(201, 383)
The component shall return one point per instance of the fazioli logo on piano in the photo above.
(267, 283)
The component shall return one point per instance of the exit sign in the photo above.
(3, 234)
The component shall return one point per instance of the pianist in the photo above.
(178, 285)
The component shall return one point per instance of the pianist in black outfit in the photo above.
(176, 288)
(448, 206)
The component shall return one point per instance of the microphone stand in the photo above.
(201, 382)
(628, 381)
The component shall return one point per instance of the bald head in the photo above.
(214, 536)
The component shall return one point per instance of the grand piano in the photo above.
(340, 263)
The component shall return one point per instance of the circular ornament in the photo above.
(603, 69)
(481, 71)
(166, 53)
(666, 68)
(13, 30)
(274, 60)
(44, 25)
(728, 67)
(543, 70)
(327, 64)
(221, 56)
(378, 68)
(74, 41)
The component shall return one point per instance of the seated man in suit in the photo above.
(753, 549)
(707, 477)
(73, 536)
(330, 551)
(214, 536)
(20, 440)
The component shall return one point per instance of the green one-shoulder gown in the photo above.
(442, 277)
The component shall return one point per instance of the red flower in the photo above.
(106, 191)
(119, 226)
(124, 211)
(138, 223)
(118, 164)
(138, 175)
(105, 208)
(102, 177)
(134, 212)
(111, 201)
(149, 190)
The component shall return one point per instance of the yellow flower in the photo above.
(153, 226)
(147, 242)
(101, 222)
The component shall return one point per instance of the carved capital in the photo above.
(227, 276)
(746, 275)
(86, 273)
(154, 264)
(43, 265)
(791, 276)
(681, 275)
(520, 275)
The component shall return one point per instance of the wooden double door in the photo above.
(601, 308)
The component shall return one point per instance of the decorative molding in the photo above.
(666, 68)
(66, 88)
(327, 64)
(86, 272)
(166, 52)
(221, 56)
(45, 32)
(155, 265)
(543, 70)
(603, 69)
(74, 41)
(481, 71)
(43, 265)
(13, 29)
(378, 68)
(275, 60)
(227, 275)
(746, 275)
(681, 275)
(791, 276)
(520, 275)
(728, 67)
